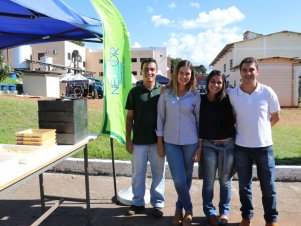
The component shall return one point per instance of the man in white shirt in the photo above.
(257, 109)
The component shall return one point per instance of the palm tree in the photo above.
(4, 68)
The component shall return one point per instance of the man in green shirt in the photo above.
(141, 120)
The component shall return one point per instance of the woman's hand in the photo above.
(129, 146)
(197, 155)
(160, 149)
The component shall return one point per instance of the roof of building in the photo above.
(230, 46)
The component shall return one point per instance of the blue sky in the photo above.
(198, 30)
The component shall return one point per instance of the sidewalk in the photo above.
(22, 206)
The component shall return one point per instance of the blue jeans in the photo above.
(141, 155)
(265, 164)
(217, 155)
(180, 162)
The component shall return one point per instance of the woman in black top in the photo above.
(217, 131)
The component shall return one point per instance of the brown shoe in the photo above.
(187, 220)
(224, 219)
(177, 219)
(271, 224)
(245, 222)
(213, 220)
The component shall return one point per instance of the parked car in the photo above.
(159, 78)
(201, 87)
(93, 88)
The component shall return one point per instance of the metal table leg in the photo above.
(42, 192)
(87, 182)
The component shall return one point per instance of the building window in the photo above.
(55, 52)
(69, 56)
(100, 61)
(134, 60)
(231, 64)
(40, 55)
(142, 59)
(134, 73)
(101, 73)
(224, 67)
(84, 63)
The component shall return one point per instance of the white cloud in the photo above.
(172, 5)
(136, 45)
(216, 19)
(158, 20)
(203, 47)
(195, 5)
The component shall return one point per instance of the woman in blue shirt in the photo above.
(216, 129)
(177, 126)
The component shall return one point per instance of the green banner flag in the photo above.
(117, 68)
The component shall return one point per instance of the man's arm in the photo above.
(128, 131)
(275, 117)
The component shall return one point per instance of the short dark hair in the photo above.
(221, 94)
(147, 61)
(248, 60)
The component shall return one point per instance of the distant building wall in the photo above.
(279, 55)
(38, 83)
(95, 60)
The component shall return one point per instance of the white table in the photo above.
(36, 163)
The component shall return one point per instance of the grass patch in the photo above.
(19, 114)
(22, 113)
(287, 145)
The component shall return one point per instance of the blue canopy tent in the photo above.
(162, 79)
(36, 21)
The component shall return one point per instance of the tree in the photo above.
(174, 62)
(4, 68)
(201, 69)
(80, 43)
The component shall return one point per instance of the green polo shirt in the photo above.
(144, 104)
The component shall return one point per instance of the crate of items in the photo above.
(41, 137)
(68, 116)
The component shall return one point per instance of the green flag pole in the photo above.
(117, 73)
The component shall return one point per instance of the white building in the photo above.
(56, 54)
(60, 53)
(279, 56)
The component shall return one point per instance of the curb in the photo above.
(123, 168)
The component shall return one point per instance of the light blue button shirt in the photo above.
(178, 117)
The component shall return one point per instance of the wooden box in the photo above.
(42, 137)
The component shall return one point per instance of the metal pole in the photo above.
(87, 183)
(114, 199)
(41, 182)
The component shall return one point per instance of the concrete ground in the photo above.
(21, 206)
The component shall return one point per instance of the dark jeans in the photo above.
(265, 164)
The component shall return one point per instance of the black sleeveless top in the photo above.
(216, 119)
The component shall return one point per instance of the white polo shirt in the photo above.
(253, 113)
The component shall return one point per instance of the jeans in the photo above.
(217, 155)
(141, 155)
(265, 163)
(180, 162)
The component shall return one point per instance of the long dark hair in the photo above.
(221, 94)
